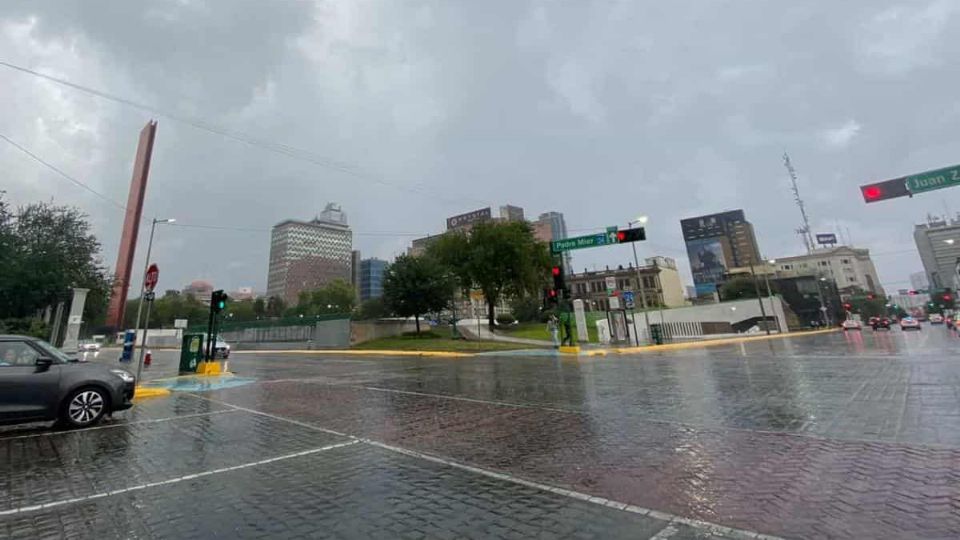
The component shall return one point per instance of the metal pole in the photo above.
(636, 335)
(660, 302)
(143, 284)
(643, 295)
(143, 344)
(773, 311)
(763, 311)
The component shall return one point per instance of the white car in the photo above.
(221, 349)
(909, 323)
(851, 324)
(89, 346)
(935, 318)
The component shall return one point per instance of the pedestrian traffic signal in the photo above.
(631, 235)
(888, 189)
(218, 301)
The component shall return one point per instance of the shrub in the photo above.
(505, 318)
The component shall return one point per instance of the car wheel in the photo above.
(85, 407)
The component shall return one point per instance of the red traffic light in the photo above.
(847, 307)
(888, 189)
(947, 297)
(552, 293)
(912, 293)
(872, 193)
(870, 297)
(556, 270)
(621, 236)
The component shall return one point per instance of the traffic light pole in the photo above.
(643, 295)
(146, 326)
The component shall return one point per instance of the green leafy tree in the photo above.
(45, 251)
(737, 288)
(502, 259)
(259, 308)
(336, 297)
(275, 306)
(413, 286)
(372, 308)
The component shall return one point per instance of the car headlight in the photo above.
(125, 375)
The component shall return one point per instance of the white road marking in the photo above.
(116, 425)
(44, 506)
(656, 514)
(665, 532)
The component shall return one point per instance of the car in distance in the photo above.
(89, 346)
(221, 349)
(39, 383)
(880, 323)
(851, 324)
(909, 323)
(935, 318)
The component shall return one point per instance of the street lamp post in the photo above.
(766, 281)
(143, 284)
(642, 220)
(756, 287)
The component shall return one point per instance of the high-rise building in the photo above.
(511, 213)
(371, 278)
(938, 241)
(355, 271)
(551, 226)
(307, 255)
(716, 243)
(918, 280)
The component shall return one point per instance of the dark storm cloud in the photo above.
(601, 110)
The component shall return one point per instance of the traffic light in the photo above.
(888, 189)
(559, 279)
(870, 296)
(218, 301)
(631, 235)
(847, 306)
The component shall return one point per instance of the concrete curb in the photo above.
(362, 352)
(724, 341)
(144, 392)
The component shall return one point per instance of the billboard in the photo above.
(707, 262)
(465, 220)
(826, 238)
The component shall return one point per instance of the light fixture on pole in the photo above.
(146, 266)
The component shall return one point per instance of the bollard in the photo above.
(148, 359)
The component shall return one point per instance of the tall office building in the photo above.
(938, 241)
(355, 271)
(551, 226)
(371, 278)
(307, 255)
(849, 267)
(715, 243)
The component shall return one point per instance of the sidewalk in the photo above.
(468, 328)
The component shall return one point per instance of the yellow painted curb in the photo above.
(714, 342)
(362, 352)
(142, 392)
(208, 368)
(573, 349)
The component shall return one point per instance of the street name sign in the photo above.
(579, 242)
(931, 180)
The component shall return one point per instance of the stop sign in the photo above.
(151, 277)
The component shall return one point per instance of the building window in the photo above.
(845, 261)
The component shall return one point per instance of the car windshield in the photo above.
(53, 352)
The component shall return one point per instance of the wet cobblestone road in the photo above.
(835, 435)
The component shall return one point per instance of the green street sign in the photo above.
(580, 242)
(931, 180)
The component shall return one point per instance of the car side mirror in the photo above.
(44, 363)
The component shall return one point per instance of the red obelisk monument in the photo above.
(131, 226)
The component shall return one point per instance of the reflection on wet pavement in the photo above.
(851, 435)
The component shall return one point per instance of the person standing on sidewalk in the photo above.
(554, 330)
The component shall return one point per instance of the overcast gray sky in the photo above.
(409, 112)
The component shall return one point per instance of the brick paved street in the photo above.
(835, 435)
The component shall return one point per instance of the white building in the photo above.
(848, 266)
(938, 241)
(307, 255)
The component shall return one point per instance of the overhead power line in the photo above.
(278, 148)
(62, 174)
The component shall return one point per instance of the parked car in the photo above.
(851, 324)
(935, 318)
(38, 382)
(221, 349)
(909, 323)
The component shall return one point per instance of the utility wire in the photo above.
(53, 168)
(278, 148)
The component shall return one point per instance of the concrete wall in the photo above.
(322, 335)
(361, 331)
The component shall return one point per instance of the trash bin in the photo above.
(656, 334)
(191, 352)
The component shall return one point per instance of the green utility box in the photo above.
(191, 352)
(656, 334)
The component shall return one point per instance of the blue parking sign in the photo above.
(628, 299)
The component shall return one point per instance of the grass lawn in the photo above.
(429, 341)
(539, 331)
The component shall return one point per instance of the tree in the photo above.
(501, 259)
(275, 306)
(259, 308)
(372, 308)
(737, 288)
(336, 297)
(413, 286)
(45, 251)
